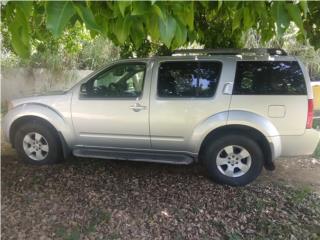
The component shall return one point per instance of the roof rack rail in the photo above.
(231, 51)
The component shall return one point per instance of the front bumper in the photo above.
(300, 145)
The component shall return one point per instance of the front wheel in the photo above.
(234, 160)
(37, 143)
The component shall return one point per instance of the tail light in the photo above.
(310, 114)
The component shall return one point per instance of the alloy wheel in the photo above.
(233, 161)
(35, 146)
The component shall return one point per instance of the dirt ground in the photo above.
(100, 199)
(296, 171)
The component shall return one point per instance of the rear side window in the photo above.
(188, 79)
(269, 78)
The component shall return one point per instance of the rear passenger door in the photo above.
(184, 93)
(275, 90)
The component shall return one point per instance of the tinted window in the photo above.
(266, 77)
(188, 79)
(121, 81)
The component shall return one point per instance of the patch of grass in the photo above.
(276, 229)
(90, 228)
(102, 216)
(194, 210)
(74, 235)
(114, 236)
(36, 179)
(178, 236)
(98, 216)
(300, 194)
(234, 236)
(220, 225)
(63, 233)
(260, 204)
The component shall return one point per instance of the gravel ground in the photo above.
(100, 199)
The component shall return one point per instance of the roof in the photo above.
(266, 54)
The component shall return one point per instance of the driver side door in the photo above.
(110, 110)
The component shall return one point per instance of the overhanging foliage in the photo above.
(214, 24)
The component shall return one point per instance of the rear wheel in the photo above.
(233, 159)
(38, 143)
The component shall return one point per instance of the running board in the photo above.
(131, 155)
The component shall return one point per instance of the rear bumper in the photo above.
(300, 145)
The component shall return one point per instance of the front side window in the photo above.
(269, 77)
(188, 79)
(120, 81)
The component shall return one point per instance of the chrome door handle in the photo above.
(137, 107)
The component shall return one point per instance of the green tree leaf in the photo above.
(19, 27)
(26, 8)
(190, 18)
(247, 18)
(158, 11)
(213, 24)
(180, 35)
(123, 5)
(184, 14)
(58, 16)
(86, 15)
(167, 29)
(20, 34)
(153, 26)
(140, 8)
(219, 4)
(304, 7)
(281, 17)
(236, 22)
(122, 29)
(138, 34)
(294, 12)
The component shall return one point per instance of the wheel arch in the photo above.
(45, 114)
(62, 124)
(17, 123)
(244, 130)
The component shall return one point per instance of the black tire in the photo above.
(54, 154)
(213, 148)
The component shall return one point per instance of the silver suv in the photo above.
(234, 111)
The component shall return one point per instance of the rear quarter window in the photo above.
(269, 78)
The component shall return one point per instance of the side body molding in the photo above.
(60, 122)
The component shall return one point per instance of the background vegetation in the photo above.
(77, 49)
(85, 35)
(166, 23)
